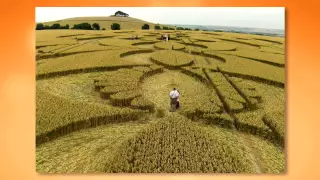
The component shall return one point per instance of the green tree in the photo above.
(85, 26)
(165, 28)
(56, 26)
(157, 27)
(120, 13)
(146, 26)
(40, 26)
(96, 26)
(66, 27)
(115, 26)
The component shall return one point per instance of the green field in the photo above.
(103, 101)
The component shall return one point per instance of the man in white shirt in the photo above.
(174, 95)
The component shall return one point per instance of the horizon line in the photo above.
(164, 23)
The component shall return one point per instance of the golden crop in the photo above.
(175, 145)
(142, 103)
(231, 115)
(231, 96)
(276, 121)
(172, 58)
(220, 46)
(57, 116)
(168, 45)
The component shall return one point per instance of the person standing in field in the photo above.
(178, 104)
(132, 36)
(174, 96)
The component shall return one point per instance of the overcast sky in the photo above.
(257, 17)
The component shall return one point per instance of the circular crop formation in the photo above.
(175, 143)
(168, 45)
(171, 58)
(221, 46)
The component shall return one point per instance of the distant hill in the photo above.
(126, 23)
(260, 31)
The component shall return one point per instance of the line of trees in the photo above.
(85, 26)
(157, 27)
(181, 28)
(41, 26)
(96, 26)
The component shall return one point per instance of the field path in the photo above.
(158, 87)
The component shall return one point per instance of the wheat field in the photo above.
(102, 102)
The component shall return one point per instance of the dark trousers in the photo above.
(173, 104)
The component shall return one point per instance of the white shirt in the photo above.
(174, 94)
